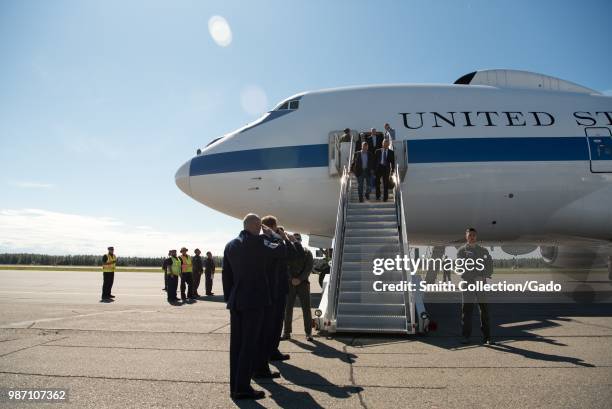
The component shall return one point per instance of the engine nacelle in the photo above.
(574, 256)
(518, 249)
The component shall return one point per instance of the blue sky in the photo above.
(101, 101)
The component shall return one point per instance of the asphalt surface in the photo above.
(140, 352)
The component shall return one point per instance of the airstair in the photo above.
(365, 232)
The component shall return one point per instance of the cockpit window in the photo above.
(289, 105)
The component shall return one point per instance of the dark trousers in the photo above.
(245, 332)
(171, 286)
(261, 365)
(363, 181)
(165, 281)
(278, 315)
(303, 292)
(107, 283)
(187, 280)
(208, 281)
(382, 172)
(467, 307)
(196, 281)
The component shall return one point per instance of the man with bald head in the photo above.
(246, 291)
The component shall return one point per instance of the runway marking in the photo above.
(30, 323)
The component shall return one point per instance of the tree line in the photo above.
(80, 260)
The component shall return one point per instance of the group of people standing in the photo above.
(264, 270)
(189, 270)
(374, 162)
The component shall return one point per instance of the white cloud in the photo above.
(254, 100)
(43, 231)
(32, 185)
(220, 31)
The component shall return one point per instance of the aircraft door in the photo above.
(401, 157)
(600, 149)
(339, 152)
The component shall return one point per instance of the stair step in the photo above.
(361, 286)
(370, 218)
(378, 297)
(372, 225)
(364, 322)
(372, 309)
(367, 276)
(383, 231)
(354, 211)
(373, 240)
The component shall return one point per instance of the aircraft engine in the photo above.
(574, 257)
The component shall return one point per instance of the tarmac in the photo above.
(140, 352)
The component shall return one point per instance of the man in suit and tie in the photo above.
(385, 164)
(363, 166)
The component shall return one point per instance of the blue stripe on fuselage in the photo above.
(419, 151)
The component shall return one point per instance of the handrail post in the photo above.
(336, 267)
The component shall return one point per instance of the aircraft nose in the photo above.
(182, 178)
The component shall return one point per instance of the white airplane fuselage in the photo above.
(517, 164)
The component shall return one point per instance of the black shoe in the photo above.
(367, 197)
(309, 338)
(248, 395)
(465, 340)
(280, 357)
(106, 299)
(266, 375)
(487, 341)
(285, 337)
(210, 293)
(111, 296)
(361, 200)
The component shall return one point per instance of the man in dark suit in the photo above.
(246, 290)
(385, 164)
(278, 277)
(363, 166)
(375, 140)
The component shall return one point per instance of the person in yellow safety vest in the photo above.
(173, 271)
(187, 277)
(109, 261)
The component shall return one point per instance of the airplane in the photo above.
(523, 157)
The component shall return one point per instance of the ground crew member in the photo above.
(471, 250)
(109, 262)
(165, 264)
(197, 271)
(246, 290)
(279, 278)
(299, 271)
(173, 272)
(186, 276)
(209, 272)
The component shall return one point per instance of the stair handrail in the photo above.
(336, 267)
(403, 244)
